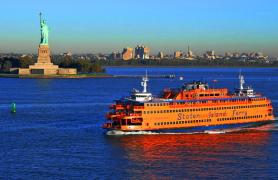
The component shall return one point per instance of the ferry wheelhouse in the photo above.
(194, 106)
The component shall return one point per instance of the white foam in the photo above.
(121, 133)
(117, 132)
(215, 132)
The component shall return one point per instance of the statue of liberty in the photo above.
(44, 31)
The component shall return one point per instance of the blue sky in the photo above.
(94, 26)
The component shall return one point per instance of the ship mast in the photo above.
(144, 83)
(241, 81)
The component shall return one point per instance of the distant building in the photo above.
(260, 56)
(228, 55)
(127, 54)
(67, 54)
(115, 55)
(142, 52)
(236, 55)
(210, 55)
(189, 55)
(177, 54)
(160, 55)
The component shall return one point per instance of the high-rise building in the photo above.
(127, 53)
(142, 52)
(189, 55)
(177, 54)
(160, 55)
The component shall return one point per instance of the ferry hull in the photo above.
(199, 129)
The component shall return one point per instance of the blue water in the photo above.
(56, 132)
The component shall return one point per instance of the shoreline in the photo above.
(154, 66)
(37, 76)
(79, 76)
(103, 75)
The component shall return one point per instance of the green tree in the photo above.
(25, 61)
(6, 66)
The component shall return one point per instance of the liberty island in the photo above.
(44, 66)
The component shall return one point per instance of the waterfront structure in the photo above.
(127, 54)
(142, 52)
(178, 54)
(193, 107)
(44, 65)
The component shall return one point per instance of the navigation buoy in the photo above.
(13, 108)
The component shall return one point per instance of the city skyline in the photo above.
(94, 26)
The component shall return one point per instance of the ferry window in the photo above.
(123, 122)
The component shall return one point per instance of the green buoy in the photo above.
(13, 108)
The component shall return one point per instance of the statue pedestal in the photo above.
(44, 65)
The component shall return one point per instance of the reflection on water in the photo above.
(198, 155)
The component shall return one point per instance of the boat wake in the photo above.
(117, 133)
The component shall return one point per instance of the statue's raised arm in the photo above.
(44, 31)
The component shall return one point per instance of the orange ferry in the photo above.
(193, 107)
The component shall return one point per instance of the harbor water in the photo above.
(56, 131)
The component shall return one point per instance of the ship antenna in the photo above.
(144, 82)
